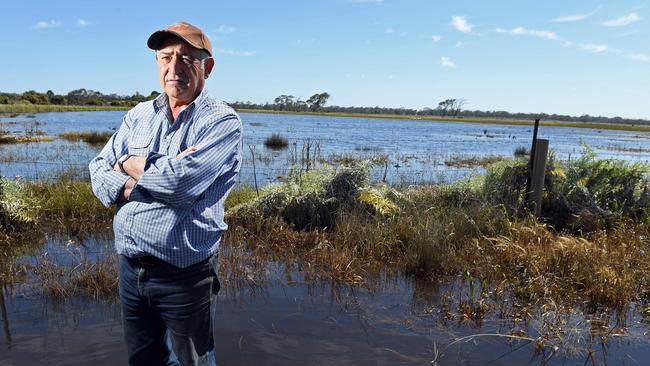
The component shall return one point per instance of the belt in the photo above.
(151, 261)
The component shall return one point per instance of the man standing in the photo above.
(169, 168)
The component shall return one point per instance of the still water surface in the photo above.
(416, 150)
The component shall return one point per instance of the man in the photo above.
(169, 168)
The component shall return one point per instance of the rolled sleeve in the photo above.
(106, 182)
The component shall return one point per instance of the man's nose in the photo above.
(176, 66)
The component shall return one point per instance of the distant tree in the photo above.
(78, 96)
(445, 106)
(457, 106)
(285, 102)
(34, 97)
(58, 99)
(317, 101)
(154, 94)
(137, 97)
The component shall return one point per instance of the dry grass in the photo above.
(605, 268)
(19, 139)
(84, 278)
(91, 137)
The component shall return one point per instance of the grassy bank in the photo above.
(30, 108)
(492, 121)
(33, 108)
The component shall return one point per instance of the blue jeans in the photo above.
(166, 312)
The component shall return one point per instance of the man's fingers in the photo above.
(189, 150)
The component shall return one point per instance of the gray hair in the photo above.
(203, 57)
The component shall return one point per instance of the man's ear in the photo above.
(209, 64)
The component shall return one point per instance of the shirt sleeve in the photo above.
(179, 182)
(106, 182)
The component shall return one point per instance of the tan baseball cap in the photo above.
(183, 30)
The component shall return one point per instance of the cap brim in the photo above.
(157, 38)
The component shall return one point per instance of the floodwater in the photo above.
(415, 150)
(277, 316)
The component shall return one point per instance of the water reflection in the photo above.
(275, 313)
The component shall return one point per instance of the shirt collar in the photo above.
(162, 101)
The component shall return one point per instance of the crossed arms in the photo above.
(175, 180)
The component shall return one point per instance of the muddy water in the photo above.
(281, 318)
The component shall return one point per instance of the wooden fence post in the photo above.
(539, 170)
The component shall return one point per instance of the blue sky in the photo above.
(569, 57)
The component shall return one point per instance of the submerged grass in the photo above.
(473, 161)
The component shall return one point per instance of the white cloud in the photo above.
(529, 32)
(51, 24)
(622, 21)
(594, 48)
(236, 53)
(461, 24)
(82, 23)
(224, 29)
(389, 30)
(436, 38)
(447, 63)
(639, 57)
(460, 44)
(575, 17)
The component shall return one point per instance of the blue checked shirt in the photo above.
(176, 210)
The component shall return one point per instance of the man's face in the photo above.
(181, 74)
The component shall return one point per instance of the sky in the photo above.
(566, 57)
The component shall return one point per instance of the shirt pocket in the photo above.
(140, 145)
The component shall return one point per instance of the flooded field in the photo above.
(407, 151)
(279, 310)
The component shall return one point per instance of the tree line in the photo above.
(76, 97)
(452, 107)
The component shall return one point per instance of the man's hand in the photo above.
(134, 166)
(187, 151)
(126, 190)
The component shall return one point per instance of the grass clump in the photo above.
(521, 151)
(472, 161)
(65, 203)
(90, 137)
(276, 142)
(580, 195)
(19, 139)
